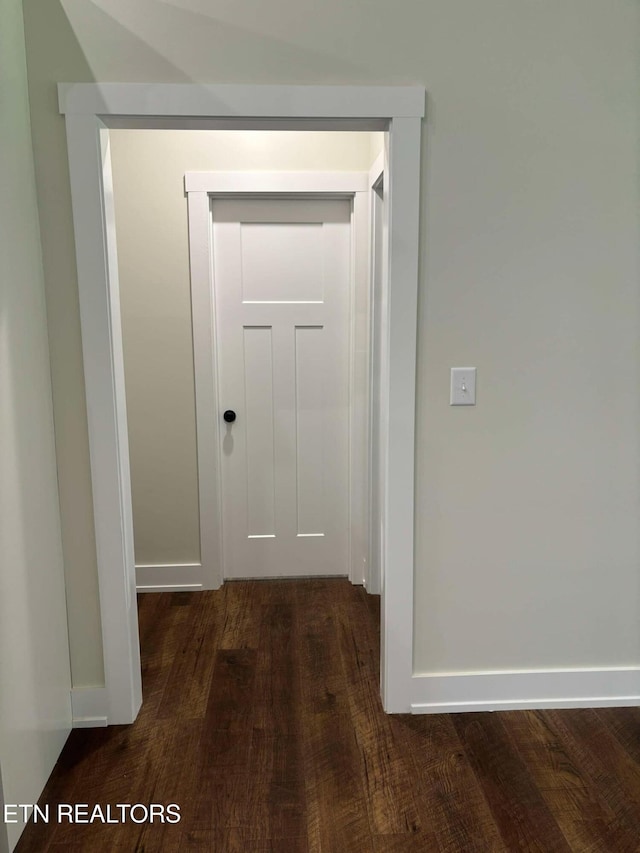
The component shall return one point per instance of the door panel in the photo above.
(310, 429)
(282, 272)
(258, 412)
(281, 261)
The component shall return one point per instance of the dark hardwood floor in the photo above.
(262, 721)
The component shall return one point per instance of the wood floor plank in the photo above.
(173, 781)
(609, 768)
(451, 802)
(388, 774)
(234, 842)
(162, 637)
(241, 614)
(222, 766)
(417, 843)
(226, 729)
(128, 755)
(151, 613)
(273, 804)
(336, 806)
(188, 684)
(276, 805)
(98, 842)
(624, 724)
(584, 818)
(277, 699)
(74, 761)
(543, 750)
(521, 814)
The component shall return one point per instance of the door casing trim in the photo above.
(90, 109)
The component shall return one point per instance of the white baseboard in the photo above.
(170, 577)
(88, 707)
(519, 690)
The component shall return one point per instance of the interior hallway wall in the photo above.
(153, 261)
(35, 700)
(527, 505)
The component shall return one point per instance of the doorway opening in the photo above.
(91, 110)
(273, 324)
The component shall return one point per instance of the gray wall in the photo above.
(527, 505)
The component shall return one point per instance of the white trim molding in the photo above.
(96, 261)
(376, 172)
(307, 183)
(89, 707)
(170, 577)
(448, 693)
(378, 286)
(90, 109)
(241, 102)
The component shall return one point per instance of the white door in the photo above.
(282, 272)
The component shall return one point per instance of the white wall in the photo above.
(4, 840)
(35, 712)
(153, 261)
(527, 506)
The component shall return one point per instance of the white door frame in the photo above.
(375, 558)
(201, 188)
(90, 109)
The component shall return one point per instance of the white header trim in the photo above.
(346, 183)
(188, 99)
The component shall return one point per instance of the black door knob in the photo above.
(229, 416)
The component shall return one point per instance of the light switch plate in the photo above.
(463, 386)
